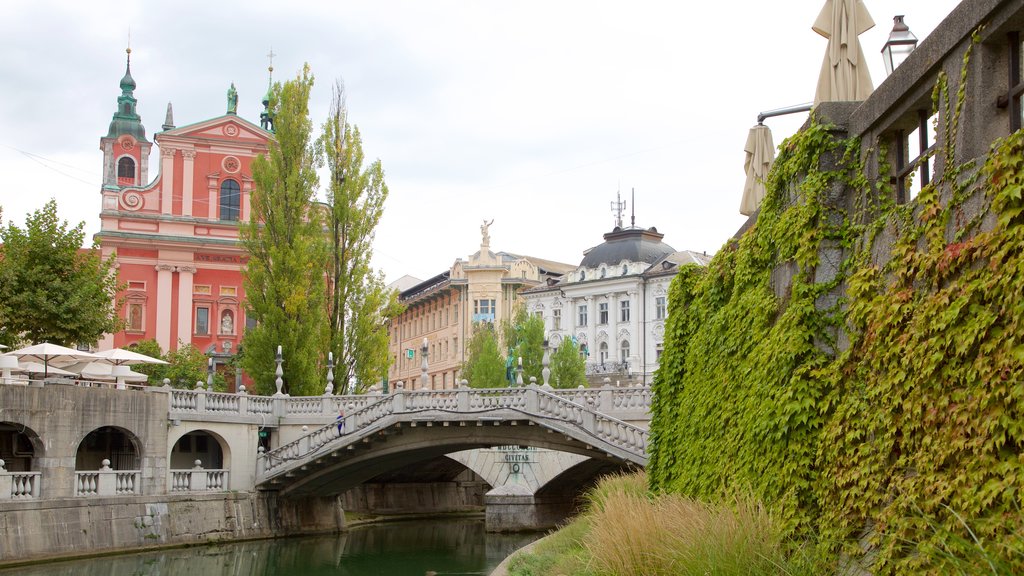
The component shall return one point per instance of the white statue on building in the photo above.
(486, 240)
(227, 324)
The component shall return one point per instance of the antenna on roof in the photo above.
(617, 207)
(632, 214)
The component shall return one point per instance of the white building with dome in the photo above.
(614, 304)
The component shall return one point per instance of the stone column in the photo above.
(186, 274)
(591, 326)
(613, 325)
(167, 180)
(163, 305)
(187, 178)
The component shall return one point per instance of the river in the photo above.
(447, 547)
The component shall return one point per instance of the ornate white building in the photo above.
(614, 304)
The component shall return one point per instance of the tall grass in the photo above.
(627, 531)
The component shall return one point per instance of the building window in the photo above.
(1015, 96)
(250, 322)
(624, 311)
(602, 313)
(658, 350)
(135, 315)
(126, 171)
(483, 310)
(137, 285)
(660, 308)
(583, 314)
(202, 320)
(624, 351)
(230, 200)
(556, 317)
(602, 352)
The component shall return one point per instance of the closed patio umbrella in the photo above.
(39, 368)
(760, 152)
(103, 371)
(844, 73)
(121, 358)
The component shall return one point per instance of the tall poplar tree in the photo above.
(358, 305)
(484, 366)
(50, 288)
(284, 279)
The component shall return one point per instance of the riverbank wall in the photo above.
(51, 529)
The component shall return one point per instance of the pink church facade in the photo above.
(176, 237)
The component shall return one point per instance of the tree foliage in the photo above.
(568, 367)
(51, 290)
(359, 305)
(523, 336)
(186, 366)
(484, 366)
(284, 280)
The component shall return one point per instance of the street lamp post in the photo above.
(900, 44)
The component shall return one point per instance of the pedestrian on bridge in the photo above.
(341, 422)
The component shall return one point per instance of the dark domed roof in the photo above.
(630, 244)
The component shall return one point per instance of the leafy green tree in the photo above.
(359, 305)
(568, 367)
(284, 279)
(523, 337)
(186, 366)
(484, 366)
(51, 290)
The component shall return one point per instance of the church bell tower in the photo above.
(125, 148)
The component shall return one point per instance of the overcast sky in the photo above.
(531, 113)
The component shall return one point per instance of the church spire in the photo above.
(126, 120)
(267, 117)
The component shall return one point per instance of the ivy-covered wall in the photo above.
(876, 404)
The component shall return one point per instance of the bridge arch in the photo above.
(206, 446)
(20, 447)
(119, 446)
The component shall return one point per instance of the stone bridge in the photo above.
(409, 427)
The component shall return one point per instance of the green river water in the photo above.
(447, 547)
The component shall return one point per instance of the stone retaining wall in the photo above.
(34, 530)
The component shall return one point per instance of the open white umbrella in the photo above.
(760, 152)
(48, 353)
(844, 73)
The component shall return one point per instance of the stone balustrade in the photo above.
(107, 482)
(198, 479)
(19, 485)
(632, 403)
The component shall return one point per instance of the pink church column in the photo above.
(187, 179)
(167, 184)
(185, 277)
(163, 305)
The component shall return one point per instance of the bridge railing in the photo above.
(530, 401)
(20, 485)
(198, 480)
(633, 402)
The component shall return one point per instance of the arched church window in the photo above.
(230, 199)
(126, 168)
(624, 350)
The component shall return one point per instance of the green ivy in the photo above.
(905, 451)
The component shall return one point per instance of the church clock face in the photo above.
(127, 143)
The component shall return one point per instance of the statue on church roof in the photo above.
(232, 99)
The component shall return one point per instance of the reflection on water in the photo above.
(448, 547)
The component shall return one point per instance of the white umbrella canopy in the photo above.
(102, 371)
(760, 152)
(844, 73)
(48, 353)
(38, 368)
(120, 356)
